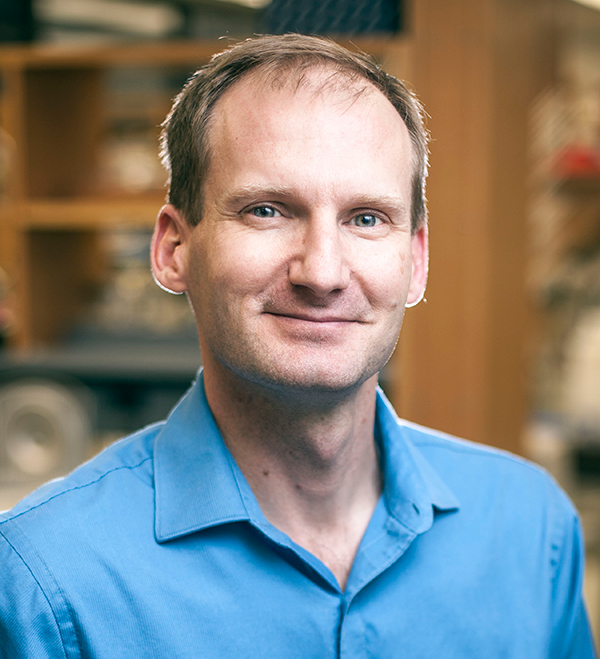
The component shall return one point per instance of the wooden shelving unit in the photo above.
(53, 113)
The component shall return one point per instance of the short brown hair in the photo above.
(185, 147)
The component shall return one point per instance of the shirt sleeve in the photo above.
(571, 635)
(28, 626)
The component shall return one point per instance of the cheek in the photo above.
(386, 278)
(239, 265)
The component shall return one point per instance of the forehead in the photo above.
(266, 103)
(317, 81)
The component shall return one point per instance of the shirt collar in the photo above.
(413, 490)
(194, 480)
(198, 484)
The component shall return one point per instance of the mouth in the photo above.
(312, 318)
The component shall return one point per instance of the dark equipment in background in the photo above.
(16, 21)
(334, 17)
(56, 405)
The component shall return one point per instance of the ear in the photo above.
(168, 250)
(420, 266)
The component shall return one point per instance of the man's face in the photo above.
(301, 265)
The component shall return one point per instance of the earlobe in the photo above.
(168, 250)
(420, 267)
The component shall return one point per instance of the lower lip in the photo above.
(313, 326)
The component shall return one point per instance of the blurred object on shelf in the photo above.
(586, 461)
(581, 380)
(574, 150)
(546, 444)
(570, 295)
(566, 134)
(134, 380)
(130, 301)
(150, 20)
(45, 429)
(577, 161)
(109, 21)
(129, 160)
(136, 100)
(564, 274)
(7, 315)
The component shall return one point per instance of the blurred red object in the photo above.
(577, 161)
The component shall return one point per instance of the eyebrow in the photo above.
(380, 201)
(249, 191)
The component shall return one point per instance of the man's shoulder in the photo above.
(98, 480)
(80, 529)
(472, 469)
(435, 443)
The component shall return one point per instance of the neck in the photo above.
(311, 463)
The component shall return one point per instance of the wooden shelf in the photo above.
(92, 213)
(75, 57)
(150, 55)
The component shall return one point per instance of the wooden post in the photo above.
(476, 65)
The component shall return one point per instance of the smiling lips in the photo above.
(311, 318)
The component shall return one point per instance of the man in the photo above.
(283, 510)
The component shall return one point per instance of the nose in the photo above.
(320, 261)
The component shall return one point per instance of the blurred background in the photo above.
(506, 349)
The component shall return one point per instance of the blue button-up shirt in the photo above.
(158, 548)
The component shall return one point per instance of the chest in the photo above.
(250, 599)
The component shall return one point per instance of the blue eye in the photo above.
(365, 220)
(264, 211)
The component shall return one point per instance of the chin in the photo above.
(314, 371)
(308, 381)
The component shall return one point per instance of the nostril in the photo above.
(320, 276)
(320, 264)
